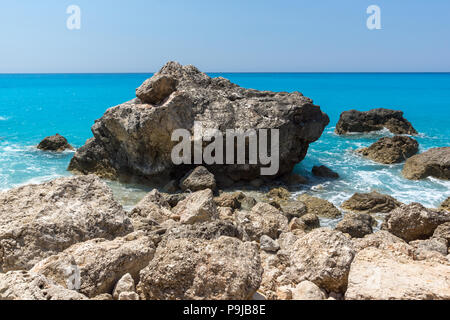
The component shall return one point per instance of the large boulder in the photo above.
(25, 285)
(374, 120)
(373, 202)
(378, 274)
(389, 150)
(99, 263)
(134, 138)
(432, 163)
(414, 221)
(319, 207)
(192, 269)
(37, 221)
(55, 143)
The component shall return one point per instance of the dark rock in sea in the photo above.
(432, 163)
(54, 143)
(324, 172)
(391, 150)
(134, 138)
(374, 120)
(373, 202)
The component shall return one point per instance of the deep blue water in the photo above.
(35, 106)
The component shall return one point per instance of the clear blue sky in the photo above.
(231, 35)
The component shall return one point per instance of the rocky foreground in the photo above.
(69, 239)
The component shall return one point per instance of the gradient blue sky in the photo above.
(231, 35)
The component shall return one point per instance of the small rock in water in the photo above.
(391, 150)
(324, 172)
(55, 143)
(432, 163)
(373, 202)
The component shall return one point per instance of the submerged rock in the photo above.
(374, 120)
(373, 202)
(324, 172)
(391, 150)
(414, 221)
(37, 221)
(378, 274)
(134, 139)
(55, 143)
(191, 269)
(432, 163)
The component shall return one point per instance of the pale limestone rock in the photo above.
(125, 284)
(306, 290)
(197, 207)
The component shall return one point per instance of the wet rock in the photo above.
(414, 222)
(324, 172)
(389, 150)
(134, 138)
(385, 275)
(374, 120)
(99, 263)
(37, 221)
(55, 143)
(191, 269)
(198, 179)
(319, 207)
(263, 219)
(373, 202)
(25, 285)
(357, 225)
(279, 194)
(197, 207)
(432, 163)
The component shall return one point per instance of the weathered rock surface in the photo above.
(294, 209)
(389, 150)
(414, 221)
(443, 231)
(380, 239)
(357, 225)
(324, 172)
(446, 204)
(319, 207)
(263, 219)
(306, 290)
(134, 139)
(374, 120)
(99, 263)
(206, 230)
(438, 245)
(373, 202)
(323, 257)
(385, 275)
(191, 269)
(124, 285)
(198, 179)
(55, 143)
(153, 209)
(228, 199)
(25, 285)
(268, 244)
(37, 221)
(197, 207)
(432, 163)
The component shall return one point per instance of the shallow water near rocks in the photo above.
(35, 106)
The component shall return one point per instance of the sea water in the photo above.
(35, 106)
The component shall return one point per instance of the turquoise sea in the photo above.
(35, 106)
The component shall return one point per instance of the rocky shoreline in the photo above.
(198, 237)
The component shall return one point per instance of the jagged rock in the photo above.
(37, 221)
(373, 202)
(306, 290)
(279, 193)
(294, 209)
(443, 231)
(374, 120)
(446, 204)
(25, 285)
(99, 263)
(324, 172)
(54, 143)
(198, 179)
(197, 207)
(380, 239)
(268, 244)
(124, 285)
(357, 225)
(225, 213)
(191, 269)
(414, 221)
(263, 219)
(228, 199)
(385, 275)
(432, 163)
(152, 210)
(134, 138)
(389, 150)
(310, 220)
(173, 199)
(435, 245)
(247, 202)
(319, 207)
(205, 230)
